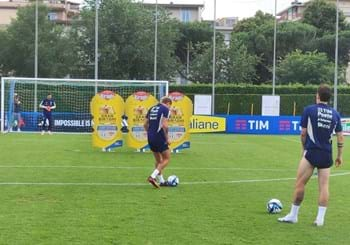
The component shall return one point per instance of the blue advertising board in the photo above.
(263, 124)
(63, 122)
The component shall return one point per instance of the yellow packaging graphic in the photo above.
(136, 108)
(207, 124)
(107, 109)
(179, 122)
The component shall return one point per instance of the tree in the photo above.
(18, 46)
(326, 44)
(191, 34)
(250, 24)
(322, 14)
(305, 68)
(240, 65)
(259, 41)
(126, 41)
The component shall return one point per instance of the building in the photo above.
(295, 11)
(184, 12)
(225, 26)
(61, 11)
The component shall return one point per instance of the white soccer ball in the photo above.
(274, 206)
(173, 180)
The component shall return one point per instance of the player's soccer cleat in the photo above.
(153, 182)
(42, 132)
(318, 223)
(50, 133)
(288, 219)
(164, 184)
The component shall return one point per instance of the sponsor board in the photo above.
(207, 124)
(346, 126)
(107, 109)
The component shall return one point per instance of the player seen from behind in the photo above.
(156, 125)
(318, 123)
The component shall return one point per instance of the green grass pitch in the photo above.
(59, 190)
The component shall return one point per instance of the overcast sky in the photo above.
(235, 8)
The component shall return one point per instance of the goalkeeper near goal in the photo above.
(47, 104)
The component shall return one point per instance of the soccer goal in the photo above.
(21, 97)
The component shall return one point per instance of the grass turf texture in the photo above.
(192, 213)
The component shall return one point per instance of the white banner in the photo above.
(202, 104)
(270, 105)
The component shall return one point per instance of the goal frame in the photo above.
(67, 80)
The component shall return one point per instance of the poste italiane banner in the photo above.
(107, 109)
(207, 124)
(179, 122)
(136, 108)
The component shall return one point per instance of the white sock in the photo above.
(155, 173)
(321, 213)
(294, 210)
(161, 179)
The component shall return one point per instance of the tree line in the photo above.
(305, 48)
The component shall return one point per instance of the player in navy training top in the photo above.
(156, 125)
(318, 122)
(47, 105)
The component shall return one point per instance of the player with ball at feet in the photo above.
(318, 123)
(156, 125)
(48, 104)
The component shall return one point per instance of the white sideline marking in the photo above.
(137, 167)
(144, 184)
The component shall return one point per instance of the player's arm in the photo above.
(165, 127)
(340, 142)
(340, 146)
(54, 106)
(303, 138)
(41, 105)
(146, 124)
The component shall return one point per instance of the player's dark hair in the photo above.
(324, 92)
(166, 100)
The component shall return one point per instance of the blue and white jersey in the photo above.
(321, 121)
(48, 102)
(155, 116)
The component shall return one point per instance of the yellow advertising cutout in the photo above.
(107, 109)
(207, 124)
(136, 108)
(179, 122)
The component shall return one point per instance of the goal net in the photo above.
(21, 97)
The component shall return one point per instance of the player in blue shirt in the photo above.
(47, 105)
(156, 125)
(318, 123)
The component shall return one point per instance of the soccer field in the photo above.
(59, 190)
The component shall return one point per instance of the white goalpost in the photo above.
(20, 99)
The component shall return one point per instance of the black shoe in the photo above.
(164, 184)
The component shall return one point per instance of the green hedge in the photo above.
(240, 98)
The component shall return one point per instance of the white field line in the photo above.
(137, 167)
(144, 184)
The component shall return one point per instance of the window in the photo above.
(52, 16)
(185, 15)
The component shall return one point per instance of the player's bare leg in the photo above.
(152, 179)
(305, 171)
(323, 183)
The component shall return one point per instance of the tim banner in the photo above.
(263, 125)
(207, 124)
(346, 126)
(179, 122)
(107, 109)
(136, 108)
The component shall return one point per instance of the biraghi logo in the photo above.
(141, 95)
